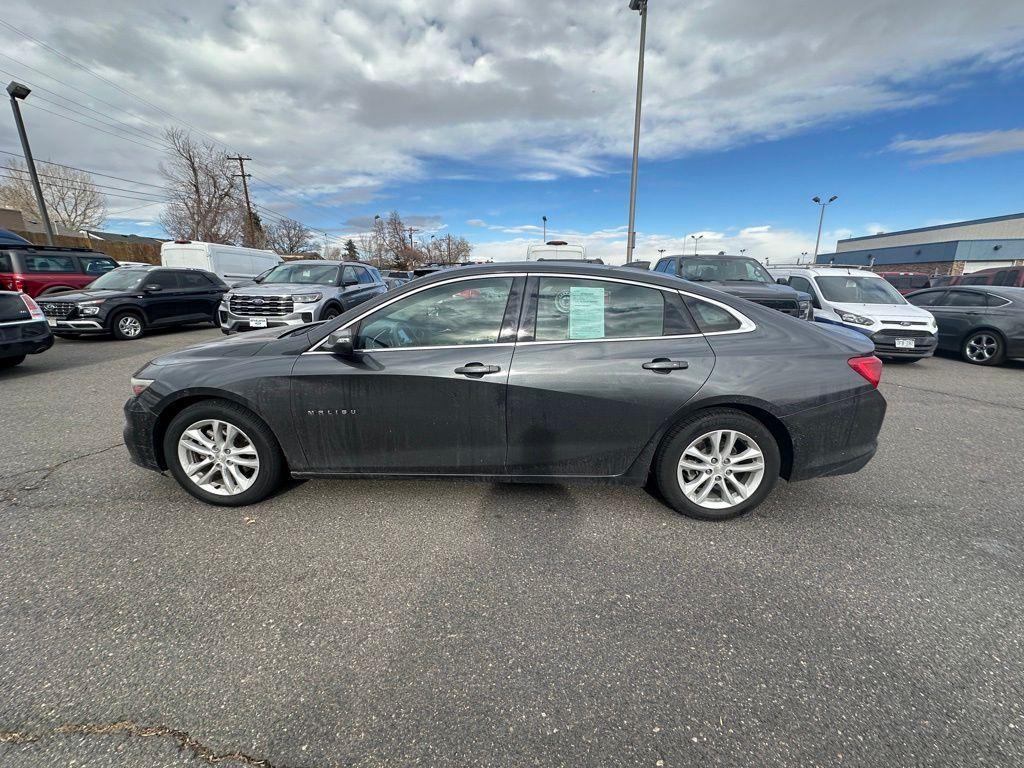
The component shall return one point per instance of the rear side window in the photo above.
(165, 279)
(965, 299)
(96, 265)
(710, 317)
(194, 280)
(571, 309)
(5, 262)
(49, 263)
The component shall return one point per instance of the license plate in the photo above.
(904, 343)
(259, 322)
(52, 321)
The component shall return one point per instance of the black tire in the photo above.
(10, 362)
(127, 325)
(983, 347)
(680, 437)
(271, 460)
(330, 312)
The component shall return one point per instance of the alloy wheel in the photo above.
(130, 326)
(981, 348)
(721, 469)
(218, 457)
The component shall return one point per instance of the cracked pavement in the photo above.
(866, 620)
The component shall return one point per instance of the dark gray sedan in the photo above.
(985, 324)
(536, 372)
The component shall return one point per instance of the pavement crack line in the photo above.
(184, 740)
(47, 471)
(958, 396)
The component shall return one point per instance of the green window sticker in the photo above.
(586, 313)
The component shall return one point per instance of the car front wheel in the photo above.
(983, 348)
(127, 326)
(223, 454)
(717, 464)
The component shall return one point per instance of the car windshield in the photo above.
(120, 279)
(308, 274)
(858, 289)
(706, 269)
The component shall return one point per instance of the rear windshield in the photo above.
(120, 279)
(857, 289)
(307, 274)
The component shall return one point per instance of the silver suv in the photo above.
(298, 292)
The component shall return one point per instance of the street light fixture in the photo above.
(545, 220)
(18, 91)
(641, 7)
(821, 219)
(695, 239)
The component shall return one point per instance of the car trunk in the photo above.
(12, 308)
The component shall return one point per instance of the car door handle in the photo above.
(664, 365)
(477, 369)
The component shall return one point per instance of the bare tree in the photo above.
(203, 191)
(72, 199)
(290, 236)
(447, 250)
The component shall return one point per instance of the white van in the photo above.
(862, 301)
(556, 250)
(230, 262)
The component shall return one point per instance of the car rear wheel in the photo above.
(984, 348)
(717, 464)
(126, 326)
(10, 362)
(223, 454)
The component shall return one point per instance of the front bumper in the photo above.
(28, 337)
(139, 431)
(885, 343)
(234, 323)
(77, 325)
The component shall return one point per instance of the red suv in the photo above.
(1012, 277)
(39, 270)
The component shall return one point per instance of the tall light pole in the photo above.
(545, 220)
(696, 238)
(377, 245)
(641, 6)
(18, 91)
(821, 219)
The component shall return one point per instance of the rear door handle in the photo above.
(664, 365)
(477, 369)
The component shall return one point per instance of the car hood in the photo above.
(886, 311)
(279, 289)
(85, 295)
(752, 291)
(240, 345)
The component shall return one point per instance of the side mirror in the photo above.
(782, 280)
(152, 288)
(341, 343)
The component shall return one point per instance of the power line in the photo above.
(94, 173)
(82, 189)
(115, 135)
(72, 183)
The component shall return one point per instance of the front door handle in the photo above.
(477, 369)
(664, 365)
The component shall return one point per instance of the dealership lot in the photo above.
(867, 619)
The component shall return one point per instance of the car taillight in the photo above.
(868, 367)
(33, 308)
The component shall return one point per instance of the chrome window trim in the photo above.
(746, 324)
(22, 322)
(385, 350)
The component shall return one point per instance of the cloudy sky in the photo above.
(477, 117)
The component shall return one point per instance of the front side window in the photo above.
(304, 274)
(120, 280)
(709, 268)
(926, 299)
(801, 284)
(453, 314)
(49, 263)
(858, 289)
(364, 276)
(571, 309)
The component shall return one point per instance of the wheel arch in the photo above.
(979, 329)
(119, 309)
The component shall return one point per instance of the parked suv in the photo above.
(740, 276)
(862, 301)
(23, 329)
(130, 300)
(298, 292)
(40, 270)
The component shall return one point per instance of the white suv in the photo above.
(865, 302)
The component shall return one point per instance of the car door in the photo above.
(599, 367)
(163, 297)
(200, 297)
(424, 392)
(957, 313)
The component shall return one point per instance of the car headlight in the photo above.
(225, 299)
(849, 317)
(90, 307)
(307, 298)
(805, 309)
(140, 385)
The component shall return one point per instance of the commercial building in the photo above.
(946, 249)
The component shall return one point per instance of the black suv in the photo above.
(740, 276)
(130, 300)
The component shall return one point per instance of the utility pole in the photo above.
(19, 91)
(248, 206)
(411, 230)
(641, 6)
(449, 247)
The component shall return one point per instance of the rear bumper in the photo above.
(25, 338)
(837, 438)
(139, 431)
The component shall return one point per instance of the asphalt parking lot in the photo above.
(873, 619)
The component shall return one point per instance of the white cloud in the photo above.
(953, 147)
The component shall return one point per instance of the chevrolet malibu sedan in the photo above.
(534, 372)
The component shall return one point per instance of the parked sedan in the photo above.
(985, 324)
(23, 329)
(534, 371)
(128, 301)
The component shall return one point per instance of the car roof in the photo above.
(332, 262)
(824, 269)
(49, 248)
(733, 256)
